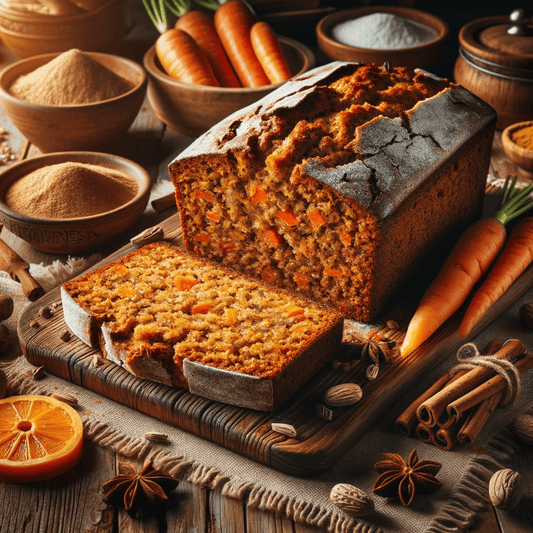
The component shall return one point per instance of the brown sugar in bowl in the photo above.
(87, 127)
(520, 155)
(74, 235)
(422, 56)
(193, 109)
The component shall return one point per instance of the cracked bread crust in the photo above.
(306, 188)
(167, 316)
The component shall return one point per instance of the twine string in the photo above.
(470, 357)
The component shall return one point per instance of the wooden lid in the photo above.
(500, 41)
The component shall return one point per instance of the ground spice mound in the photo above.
(70, 190)
(72, 78)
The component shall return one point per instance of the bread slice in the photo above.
(170, 317)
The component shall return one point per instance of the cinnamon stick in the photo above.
(160, 204)
(431, 410)
(487, 389)
(425, 433)
(445, 438)
(477, 418)
(408, 419)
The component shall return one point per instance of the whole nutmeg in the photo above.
(4, 338)
(6, 306)
(351, 499)
(525, 313)
(343, 395)
(522, 428)
(505, 489)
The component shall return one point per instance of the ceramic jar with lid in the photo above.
(495, 62)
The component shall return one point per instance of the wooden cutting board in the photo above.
(319, 442)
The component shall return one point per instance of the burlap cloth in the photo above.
(465, 471)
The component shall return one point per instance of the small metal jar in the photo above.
(495, 62)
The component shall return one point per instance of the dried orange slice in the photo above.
(40, 438)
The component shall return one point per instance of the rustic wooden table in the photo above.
(72, 503)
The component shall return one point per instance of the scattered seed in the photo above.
(323, 412)
(97, 360)
(66, 398)
(46, 311)
(39, 372)
(284, 429)
(65, 336)
(392, 324)
(148, 236)
(35, 324)
(160, 438)
(372, 372)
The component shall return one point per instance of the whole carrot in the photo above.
(182, 59)
(515, 257)
(233, 22)
(200, 27)
(468, 261)
(269, 53)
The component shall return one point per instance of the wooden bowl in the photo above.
(422, 56)
(29, 34)
(74, 235)
(193, 109)
(92, 127)
(517, 154)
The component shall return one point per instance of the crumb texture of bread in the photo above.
(312, 188)
(159, 306)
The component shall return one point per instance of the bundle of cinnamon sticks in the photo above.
(457, 406)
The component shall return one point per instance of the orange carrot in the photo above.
(182, 59)
(301, 279)
(201, 237)
(346, 238)
(201, 309)
(270, 274)
(269, 53)
(515, 257)
(316, 217)
(468, 261)
(333, 272)
(184, 283)
(288, 217)
(205, 195)
(233, 22)
(200, 27)
(272, 237)
(259, 196)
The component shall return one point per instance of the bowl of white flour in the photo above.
(399, 36)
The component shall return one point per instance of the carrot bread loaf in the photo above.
(337, 184)
(167, 316)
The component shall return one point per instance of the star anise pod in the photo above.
(377, 350)
(373, 351)
(147, 489)
(403, 480)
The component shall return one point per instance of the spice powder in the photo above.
(70, 190)
(72, 78)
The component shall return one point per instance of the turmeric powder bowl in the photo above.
(93, 126)
(517, 142)
(76, 232)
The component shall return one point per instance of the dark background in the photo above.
(456, 13)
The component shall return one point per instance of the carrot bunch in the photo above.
(470, 259)
(229, 49)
